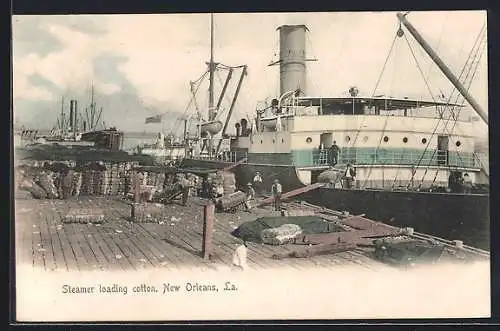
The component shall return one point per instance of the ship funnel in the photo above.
(76, 116)
(292, 58)
(71, 114)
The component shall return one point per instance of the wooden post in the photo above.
(208, 222)
(137, 186)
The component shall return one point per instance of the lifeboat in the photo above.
(271, 121)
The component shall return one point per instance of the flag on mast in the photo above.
(153, 119)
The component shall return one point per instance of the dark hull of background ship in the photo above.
(452, 216)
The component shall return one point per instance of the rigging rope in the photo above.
(385, 63)
(473, 66)
(199, 80)
(452, 116)
(386, 120)
(376, 85)
(439, 120)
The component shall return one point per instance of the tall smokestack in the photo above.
(76, 114)
(71, 117)
(293, 58)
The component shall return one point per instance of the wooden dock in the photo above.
(44, 241)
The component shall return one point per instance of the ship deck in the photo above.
(44, 241)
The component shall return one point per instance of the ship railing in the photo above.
(226, 156)
(309, 110)
(374, 156)
(321, 158)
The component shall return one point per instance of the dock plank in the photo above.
(156, 258)
(138, 245)
(67, 250)
(124, 240)
(46, 248)
(58, 254)
(167, 255)
(76, 246)
(183, 258)
(109, 246)
(23, 230)
(92, 238)
(36, 240)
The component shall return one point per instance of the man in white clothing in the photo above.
(240, 257)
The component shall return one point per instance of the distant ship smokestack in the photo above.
(75, 111)
(71, 117)
(293, 58)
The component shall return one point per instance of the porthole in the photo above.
(386, 139)
(365, 139)
(261, 141)
(458, 143)
(347, 138)
(309, 140)
(282, 140)
(274, 141)
(424, 141)
(405, 140)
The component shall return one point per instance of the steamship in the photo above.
(81, 129)
(76, 136)
(405, 151)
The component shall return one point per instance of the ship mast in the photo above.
(92, 107)
(446, 71)
(211, 112)
(62, 124)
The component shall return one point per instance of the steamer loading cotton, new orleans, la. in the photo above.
(131, 211)
(410, 156)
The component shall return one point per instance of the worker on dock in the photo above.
(334, 153)
(467, 184)
(276, 190)
(460, 183)
(240, 257)
(349, 176)
(257, 183)
(206, 188)
(184, 185)
(250, 196)
(67, 183)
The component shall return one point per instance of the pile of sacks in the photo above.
(152, 185)
(40, 183)
(331, 176)
(280, 235)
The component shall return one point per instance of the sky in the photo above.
(141, 65)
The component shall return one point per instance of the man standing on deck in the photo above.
(334, 153)
(276, 190)
(257, 183)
